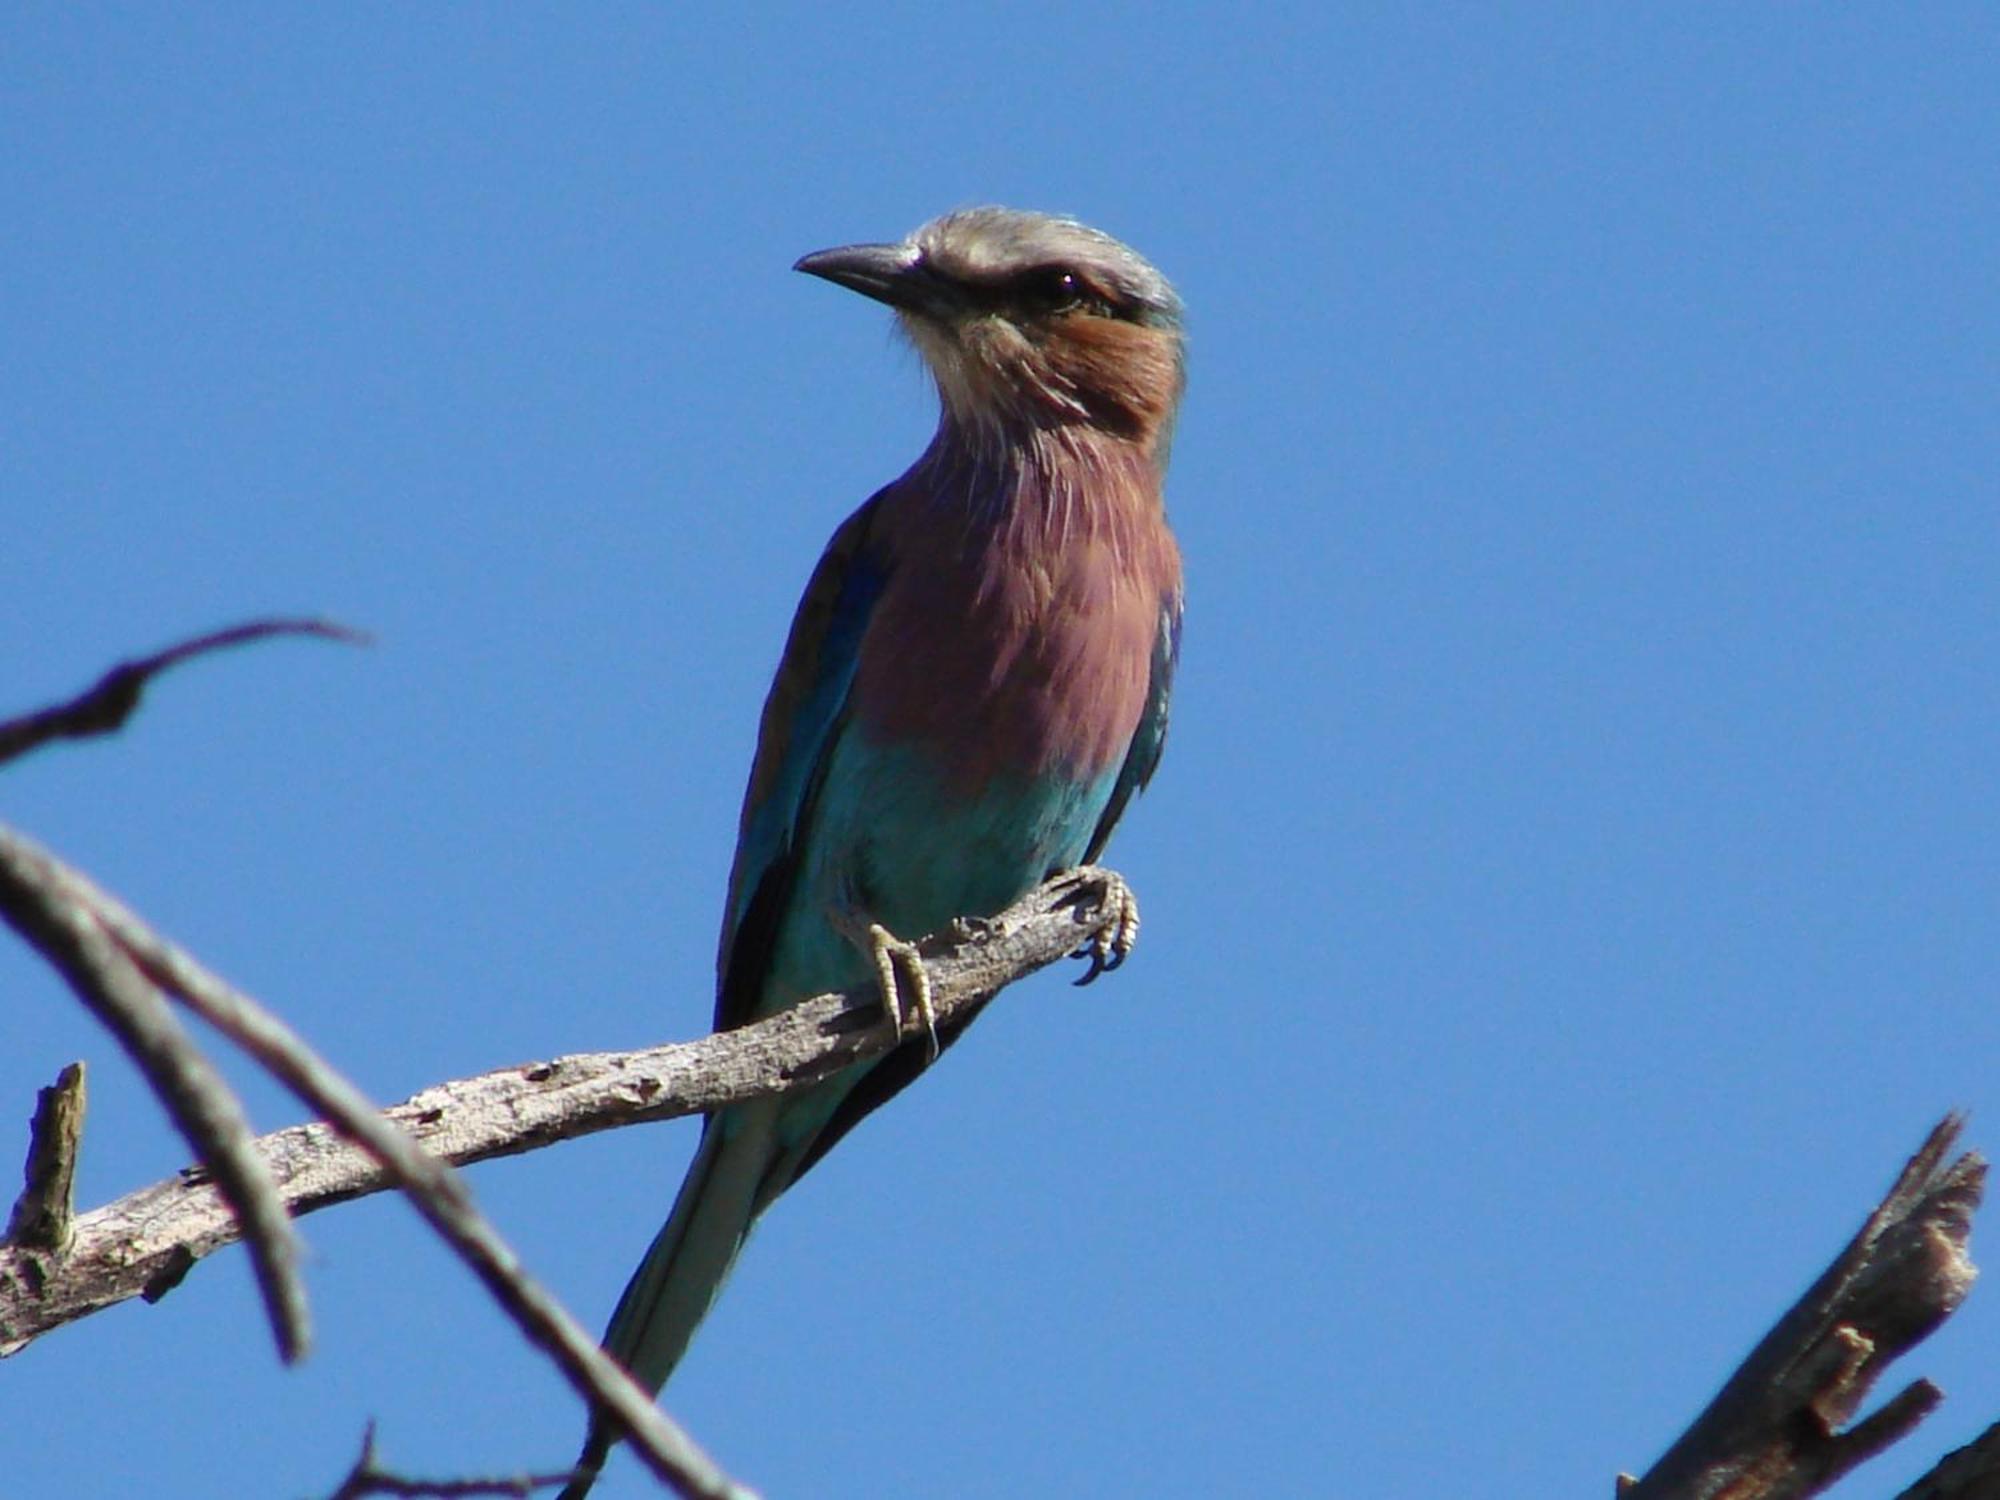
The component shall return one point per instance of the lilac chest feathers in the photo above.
(1015, 633)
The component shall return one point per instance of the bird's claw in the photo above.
(899, 969)
(1116, 915)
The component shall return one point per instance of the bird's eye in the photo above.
(1055, 289)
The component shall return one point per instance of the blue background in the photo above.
(1570, 888)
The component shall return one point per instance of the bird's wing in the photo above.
(807, 703)
(1151, 736)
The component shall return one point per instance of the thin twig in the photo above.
(1775, 1431)
(104, 708)
(367, 1477)
(43, 904)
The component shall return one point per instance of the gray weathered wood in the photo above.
(1778, 1429)
(150, 1238)
(44, 1216)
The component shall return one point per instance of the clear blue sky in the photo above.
(1571, 886)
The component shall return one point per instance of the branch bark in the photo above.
(143, 1243)
(368, 1477)
(121, 967)
(1776, 1430)
(44, 1216)
(106, 705)
(54, 913)
(1968, 1473)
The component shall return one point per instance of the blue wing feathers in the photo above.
(1151, 736)
(807, 703)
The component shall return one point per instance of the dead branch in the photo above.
(151, 1237)
(1777, 1429)
(368, 1477)
(39, 1290)
(104, 707)
(56, 917)
(1968, 1473)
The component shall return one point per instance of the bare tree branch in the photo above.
(1968, 1473)
(38, 1291)
(57, 919)
(125, 955)
(1775, 1430)
(367, 1477)
(151, 1237)
(104, 708)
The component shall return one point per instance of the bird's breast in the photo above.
(1020, 647)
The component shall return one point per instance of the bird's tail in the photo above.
(678, 1281)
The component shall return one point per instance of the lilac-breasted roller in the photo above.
(975, 685)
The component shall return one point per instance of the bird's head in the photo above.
(1028, 319)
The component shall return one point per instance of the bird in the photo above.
(975, 685)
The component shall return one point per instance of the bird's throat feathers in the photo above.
(997, 380)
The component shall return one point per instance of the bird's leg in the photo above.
(1116, 915)
(899, 968)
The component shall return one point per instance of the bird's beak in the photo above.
(895, 274)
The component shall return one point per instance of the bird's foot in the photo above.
(1116, 914)
(906, 987)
